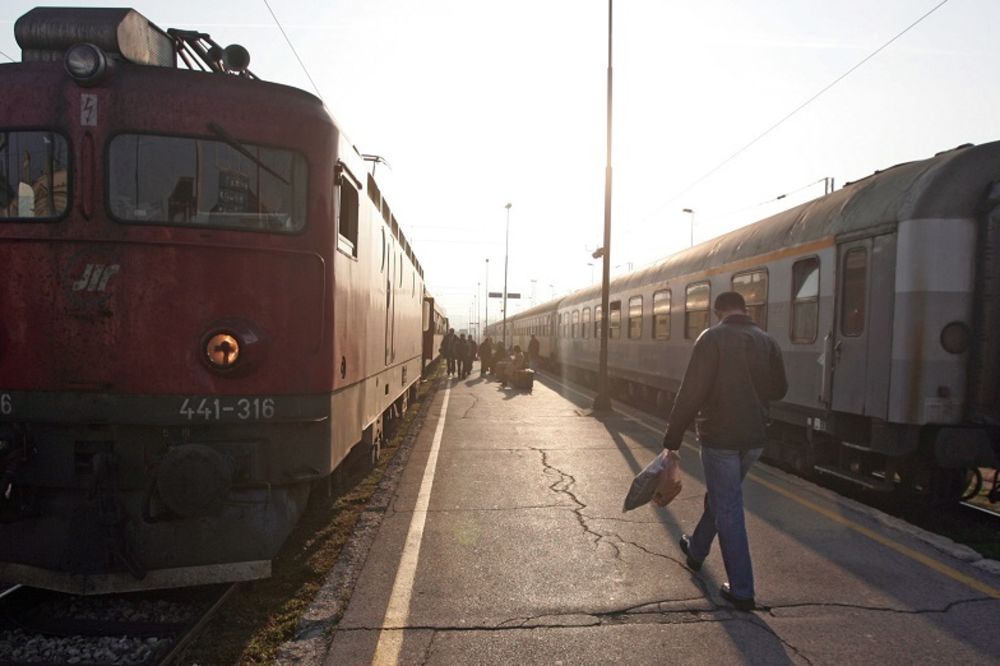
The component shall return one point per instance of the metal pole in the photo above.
(691, 213)
(506, 250)
(602, 403)
(487, 318)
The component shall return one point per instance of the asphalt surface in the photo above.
(505, 543)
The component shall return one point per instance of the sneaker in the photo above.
(739, 604)
(692, 564)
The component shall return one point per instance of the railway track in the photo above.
(148, 629)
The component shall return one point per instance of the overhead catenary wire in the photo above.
(794, 111)
(296, 53)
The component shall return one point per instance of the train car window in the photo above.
(635, 317)
(585, 323)
(752, 285)
(805, 301)
(34, 175)
(598, 317)
(347, 217)
(852, 309)
(661, 314)
(206, 183)
(615, 320)
(697, 297)
(576, 323)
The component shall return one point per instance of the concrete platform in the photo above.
(505, 543)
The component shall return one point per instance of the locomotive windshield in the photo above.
(33, 175)
(205, 183)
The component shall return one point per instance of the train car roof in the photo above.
(935, 187)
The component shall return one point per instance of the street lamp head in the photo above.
(508, 206)
(687, 210)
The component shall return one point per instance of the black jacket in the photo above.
(735, 369)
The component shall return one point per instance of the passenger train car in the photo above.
(883, 296)
(206, 304)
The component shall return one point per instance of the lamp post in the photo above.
(690, 212)
(602, 402)
(487, 318)
(506, 250)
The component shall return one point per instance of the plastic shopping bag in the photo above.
(659, 482)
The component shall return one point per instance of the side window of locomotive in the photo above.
(697, 296)
(805, 301)
(752, 286)
(34, 175)
(347, 218)
(635, 317)
(615, 320)
(206, 183)
(585, 323)
(661, 314)
(576, 323)
(852, 307)
(598, 317)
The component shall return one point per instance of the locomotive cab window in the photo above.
(34, 175)
(661, 314)
(635, 317)
(752, 286)
(855, 288)
(697, 297)
(347, 217)
(805, 301)
(206, 183)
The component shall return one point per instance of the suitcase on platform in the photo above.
(523, 379)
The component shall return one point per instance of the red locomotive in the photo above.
(205, 304)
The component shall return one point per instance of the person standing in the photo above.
(472, 349)
(735, 370)
(485, 355)
(533, 351)
(462, 354)
(447, 349)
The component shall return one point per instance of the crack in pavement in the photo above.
(475, 401)
(643, 613)
(562, 486)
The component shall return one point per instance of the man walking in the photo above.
(735, 370)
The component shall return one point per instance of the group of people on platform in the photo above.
(460, 352)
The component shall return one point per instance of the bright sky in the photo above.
(476, 104)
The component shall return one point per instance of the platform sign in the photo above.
(496, 294)
(513, 294)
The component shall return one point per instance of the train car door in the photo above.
(390, 301)
(862, 352)
(850, 348)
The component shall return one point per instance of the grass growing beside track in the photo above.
(264, 614)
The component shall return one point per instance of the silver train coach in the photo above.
(882, 296)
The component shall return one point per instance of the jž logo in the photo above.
(95, 277)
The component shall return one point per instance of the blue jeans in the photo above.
(725, 470)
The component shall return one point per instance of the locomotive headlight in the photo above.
(222, 351)
(86, 63)
(955, 337)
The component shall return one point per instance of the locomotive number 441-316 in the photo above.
(215, 409)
